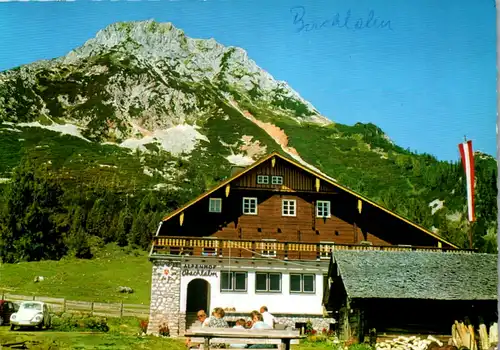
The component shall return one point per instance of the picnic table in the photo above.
(244, 336)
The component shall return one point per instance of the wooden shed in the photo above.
(409, 292)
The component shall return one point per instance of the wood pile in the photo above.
(407, 343)
(465, 336)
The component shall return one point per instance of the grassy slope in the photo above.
(88, 162)
(77, 157)
(86, 280)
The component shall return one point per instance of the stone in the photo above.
(165, 297)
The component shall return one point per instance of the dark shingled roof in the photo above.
(417, 275)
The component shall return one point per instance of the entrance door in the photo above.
(198, 296)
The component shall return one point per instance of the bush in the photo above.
(96, 324)
(329, 337)
(313, 336)
(68, 322)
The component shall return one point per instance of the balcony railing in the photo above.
(215, 247)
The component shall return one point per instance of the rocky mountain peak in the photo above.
(136, 82)
(162, 45)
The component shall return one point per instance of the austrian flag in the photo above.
(468, 163)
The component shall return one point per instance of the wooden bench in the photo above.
(282, 338)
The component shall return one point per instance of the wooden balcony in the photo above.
(264, 249)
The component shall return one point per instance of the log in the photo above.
(432, 339)
(484, 342)
(493, 335)
(472, 337)
(405, 343)
(456, 335)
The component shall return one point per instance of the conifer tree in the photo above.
(32, 221)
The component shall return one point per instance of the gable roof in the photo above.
(313, 173)
(417, 275)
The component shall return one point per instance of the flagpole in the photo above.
(470, 222)
(470, 234)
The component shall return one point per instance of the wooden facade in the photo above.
(410, 293)
(277, 182)
(409, 316)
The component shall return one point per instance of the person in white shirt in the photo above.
(268, 317)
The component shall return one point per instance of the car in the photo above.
(31, 314)
(7, 308)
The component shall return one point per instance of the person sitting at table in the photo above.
(218, 321)
(201, 319)
(258, 323)
(240, 324)
(268, 317)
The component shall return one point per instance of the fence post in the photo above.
(121, 309)
(64, 305)
(3, 295)
(33, 297)
(92, 309)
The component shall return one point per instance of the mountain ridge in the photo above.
(130, 112)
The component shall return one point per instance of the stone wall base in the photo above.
(318, 321)
(165, 298)
(177, 322)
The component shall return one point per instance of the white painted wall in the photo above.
(284, 302)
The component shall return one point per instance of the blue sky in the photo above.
(427, 77)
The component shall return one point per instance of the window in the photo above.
(325, 250)
(249, 206)
(268, 248)
(262, 179)
(288, 207)
(323, 209)
(268, 282)
(277, 180)
(302, 283)
(232, 281)
(209, 251)
(215, 205)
